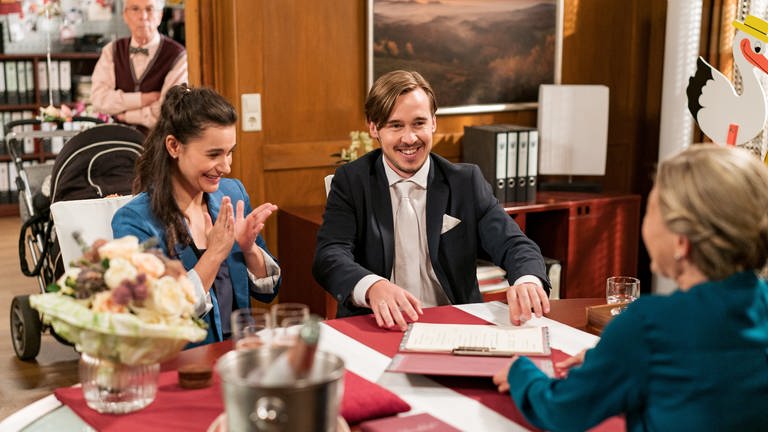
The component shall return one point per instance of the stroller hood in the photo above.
(96, 163)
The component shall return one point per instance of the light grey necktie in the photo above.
(407, 238)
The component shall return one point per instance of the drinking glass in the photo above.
(621, 291)
(117, 388)
(286, 318)
(251, 328)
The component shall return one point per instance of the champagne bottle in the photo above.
(295, 363)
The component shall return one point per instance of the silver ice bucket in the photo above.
(310, 404)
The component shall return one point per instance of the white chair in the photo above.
(328, 180)
(91, 217)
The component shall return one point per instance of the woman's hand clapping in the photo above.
(247, 228)
(221, 235)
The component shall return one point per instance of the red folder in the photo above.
(459, 365)
(413, 423)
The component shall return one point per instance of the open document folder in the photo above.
(469, 349)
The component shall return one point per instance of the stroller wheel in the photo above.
(26, 328)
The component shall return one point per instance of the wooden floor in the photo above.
(24, 382)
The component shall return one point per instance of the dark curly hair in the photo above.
(185, 114)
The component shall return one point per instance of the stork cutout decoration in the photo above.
(724, 116)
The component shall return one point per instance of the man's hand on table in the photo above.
(392, 304)
(524, 297)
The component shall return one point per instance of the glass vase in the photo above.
(117, 388)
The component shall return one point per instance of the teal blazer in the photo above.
(690, 361)
(136, 218)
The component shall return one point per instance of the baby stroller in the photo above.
(94, 163)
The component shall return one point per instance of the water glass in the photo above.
(251, 328)
(621, 290)
(287, 317)
(116, 388)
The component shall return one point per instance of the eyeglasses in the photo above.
(138, 10)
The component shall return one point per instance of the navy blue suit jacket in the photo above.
(136, 218)
(357, 235)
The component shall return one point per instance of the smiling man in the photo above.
(403, 227)
(133, 74)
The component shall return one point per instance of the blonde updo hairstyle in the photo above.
(717, 197)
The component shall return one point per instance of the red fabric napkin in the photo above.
(364, 400)
(176, 408)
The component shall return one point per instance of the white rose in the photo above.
(119, 270)
(168, 297)
(148, 264)
(122, 248)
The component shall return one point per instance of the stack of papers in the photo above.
(469, 349)
(491, 277)
(486, 339)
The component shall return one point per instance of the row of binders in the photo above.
(17, 82)
(508, 156)
(9, 190)
(28, 145)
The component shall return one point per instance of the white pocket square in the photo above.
(448, 223)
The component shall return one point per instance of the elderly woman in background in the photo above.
(694, 360)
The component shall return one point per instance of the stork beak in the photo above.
(758, 60)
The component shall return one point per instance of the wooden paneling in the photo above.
(626, 58)
(314, 80)
(307, 59)
(193, 22)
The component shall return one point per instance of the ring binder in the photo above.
(481, 351)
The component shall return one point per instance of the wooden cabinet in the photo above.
(592, 235)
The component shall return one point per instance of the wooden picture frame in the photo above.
(478, 55)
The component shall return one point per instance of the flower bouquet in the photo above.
(126, 309)
(360, 144)
(65, 113)
(122, 303)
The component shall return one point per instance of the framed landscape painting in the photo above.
(479, 55)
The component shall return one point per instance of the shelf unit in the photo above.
(82, 63)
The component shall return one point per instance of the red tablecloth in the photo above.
(177, 409)
(364, 330)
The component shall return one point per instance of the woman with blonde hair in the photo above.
(698, 358)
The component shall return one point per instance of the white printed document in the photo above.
(476, 339)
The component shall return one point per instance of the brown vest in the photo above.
(167, 55)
